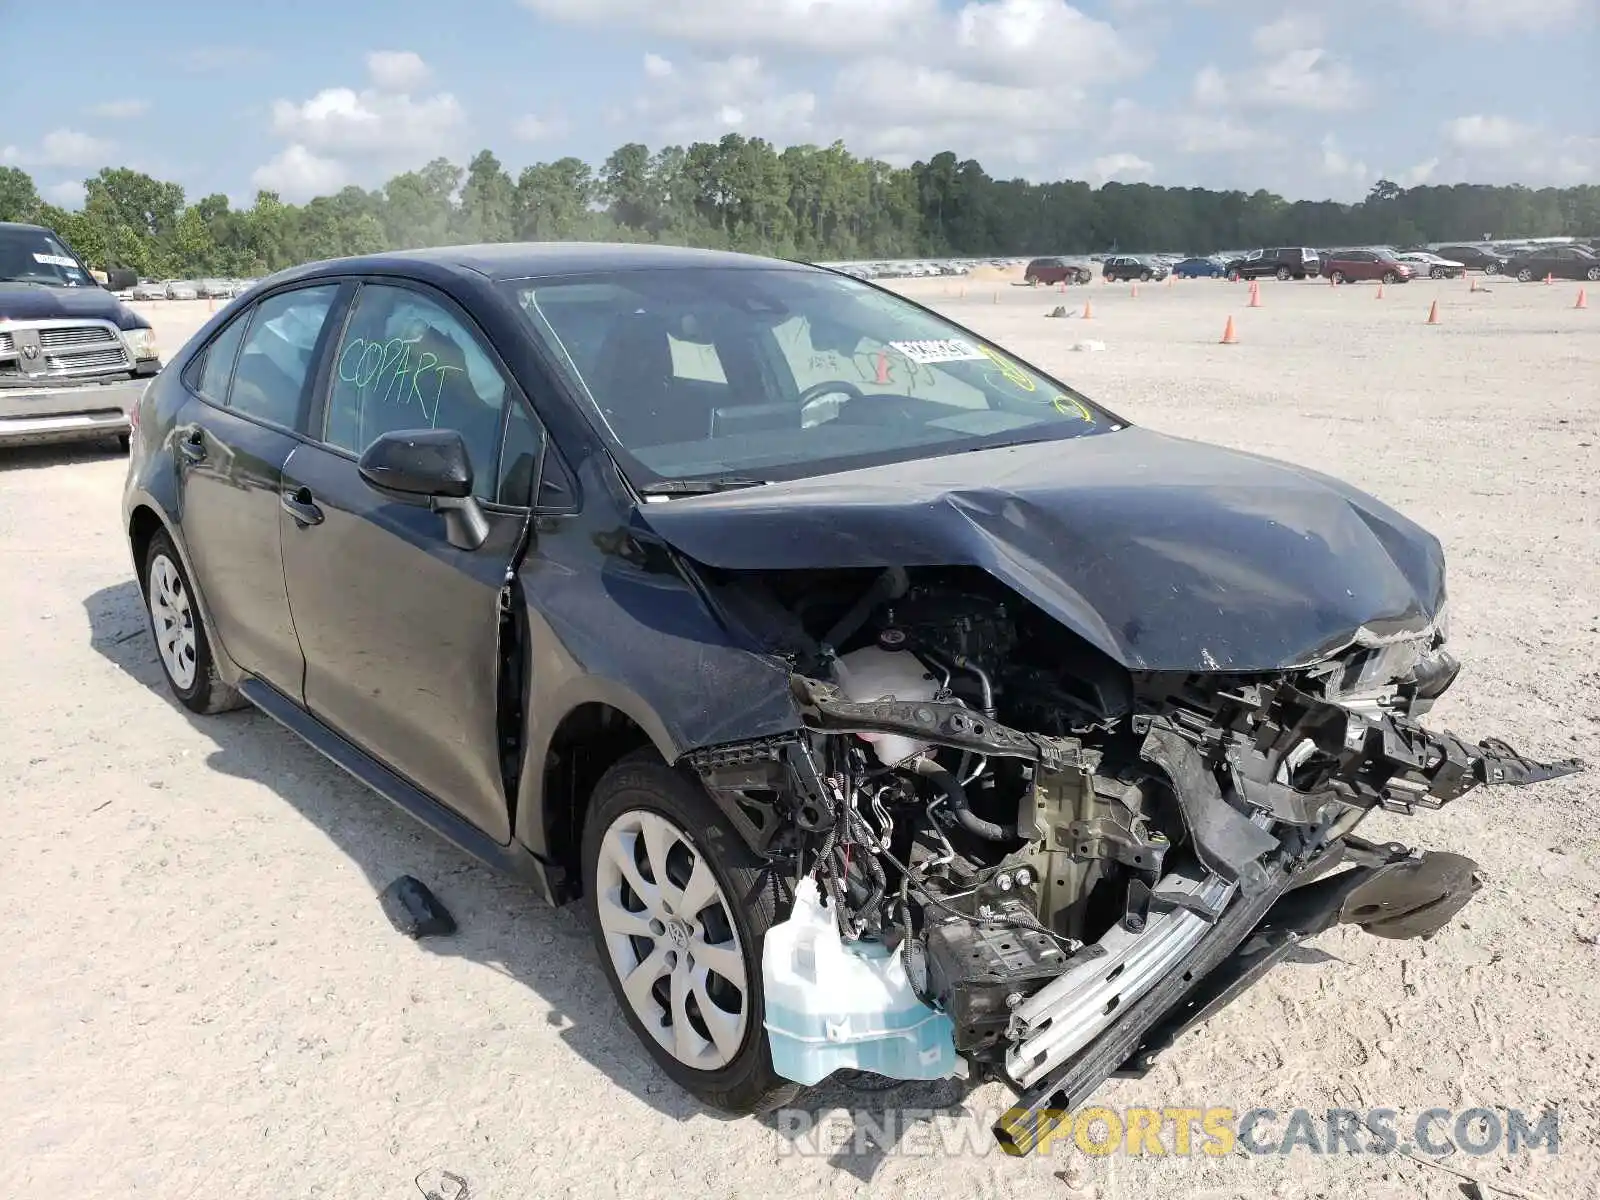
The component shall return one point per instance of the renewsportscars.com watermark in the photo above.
(1176, 1131)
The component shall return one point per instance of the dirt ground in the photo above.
(205, 1000)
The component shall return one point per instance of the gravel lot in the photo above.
(205, 1000)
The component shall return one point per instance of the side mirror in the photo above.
(120, 279)
(429, 467)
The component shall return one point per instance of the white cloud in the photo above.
(1292, 31)
(1339, 165)
(1479, 132)
(119, 110)
(297, 174)
(531, 128)
(67, 194)
(60, 148)
(1307, 78)
(1003, 39)
(1421, 173)
(370, 122)
(1502, 16)
(1121, 166)
(707, 99)
(820, 25)
(397, 70)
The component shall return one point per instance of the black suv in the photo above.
(1282, 262)
(701, 586)
(1123, 267)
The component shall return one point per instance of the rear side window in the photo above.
(217, 369)
(269, 382)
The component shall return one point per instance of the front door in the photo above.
(233, 440)
(400, 629)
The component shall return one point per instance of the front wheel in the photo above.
(1525, 275)
(680, 908)
(1593, 274)
(1144, 276)
(1491, 269)
(1389, 277)
(1436, 273)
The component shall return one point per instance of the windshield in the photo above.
(37, 256)
(781, 373)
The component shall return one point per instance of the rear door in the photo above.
(247, 396)
(400, 629)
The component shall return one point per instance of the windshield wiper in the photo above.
(699, 487)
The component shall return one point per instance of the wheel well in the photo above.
(142, 526)
(588, 742)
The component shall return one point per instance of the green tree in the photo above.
(19, 198)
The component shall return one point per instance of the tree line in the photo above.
(739, 193)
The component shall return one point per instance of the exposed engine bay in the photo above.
(1074, 861)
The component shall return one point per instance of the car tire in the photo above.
(644, 809)
(1436, 273)
(1491, 268)
(1592, 274)
(1337, 276)
(172, 608)
(1390, 278)
(1283, 274)
(1525, 275)
(124, 442)
(1144, 276)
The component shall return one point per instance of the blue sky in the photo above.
(1309, 98)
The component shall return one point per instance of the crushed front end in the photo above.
(1074, 862)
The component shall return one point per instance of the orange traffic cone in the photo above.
(1255, 295)
(1380, 289)
(1550, 278)
(1171, 279)
(1433, 314)
(1061, 286)
(1088, 310)
(1472, 281)
(1583, 298)
(1230, 336)
(1135, 289)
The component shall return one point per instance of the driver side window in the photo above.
(407, 362)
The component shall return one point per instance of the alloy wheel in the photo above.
(673, 943)
(172, 619)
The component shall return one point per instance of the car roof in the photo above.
(524, 260)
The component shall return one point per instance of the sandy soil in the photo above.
(204, 999)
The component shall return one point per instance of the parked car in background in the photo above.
(1281, 262)
(1344, 266)
(1434, 266)
(1475, 258)
(148, 289)
(671, 646)
(1133, 266)
(1056, 270)
(1560, 262)
(1201, 268)
(74, 359)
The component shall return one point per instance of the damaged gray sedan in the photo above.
(891, 705)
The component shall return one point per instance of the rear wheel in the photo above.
(1593, 274)
(1436, 273)
(1144, 276)
(1337, 277)
(180, 635)
(680, 908)
(1525, 275)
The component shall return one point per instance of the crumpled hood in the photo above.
(31, 302)
(1165, 553)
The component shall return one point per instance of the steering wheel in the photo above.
(828, 387)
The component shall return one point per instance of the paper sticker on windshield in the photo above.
(55, 260)
(938, 350)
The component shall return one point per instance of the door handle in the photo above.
(298, 503)
(193, 444)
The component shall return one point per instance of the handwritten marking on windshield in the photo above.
(1068, 407)
(1009, 371)
(372, 365)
